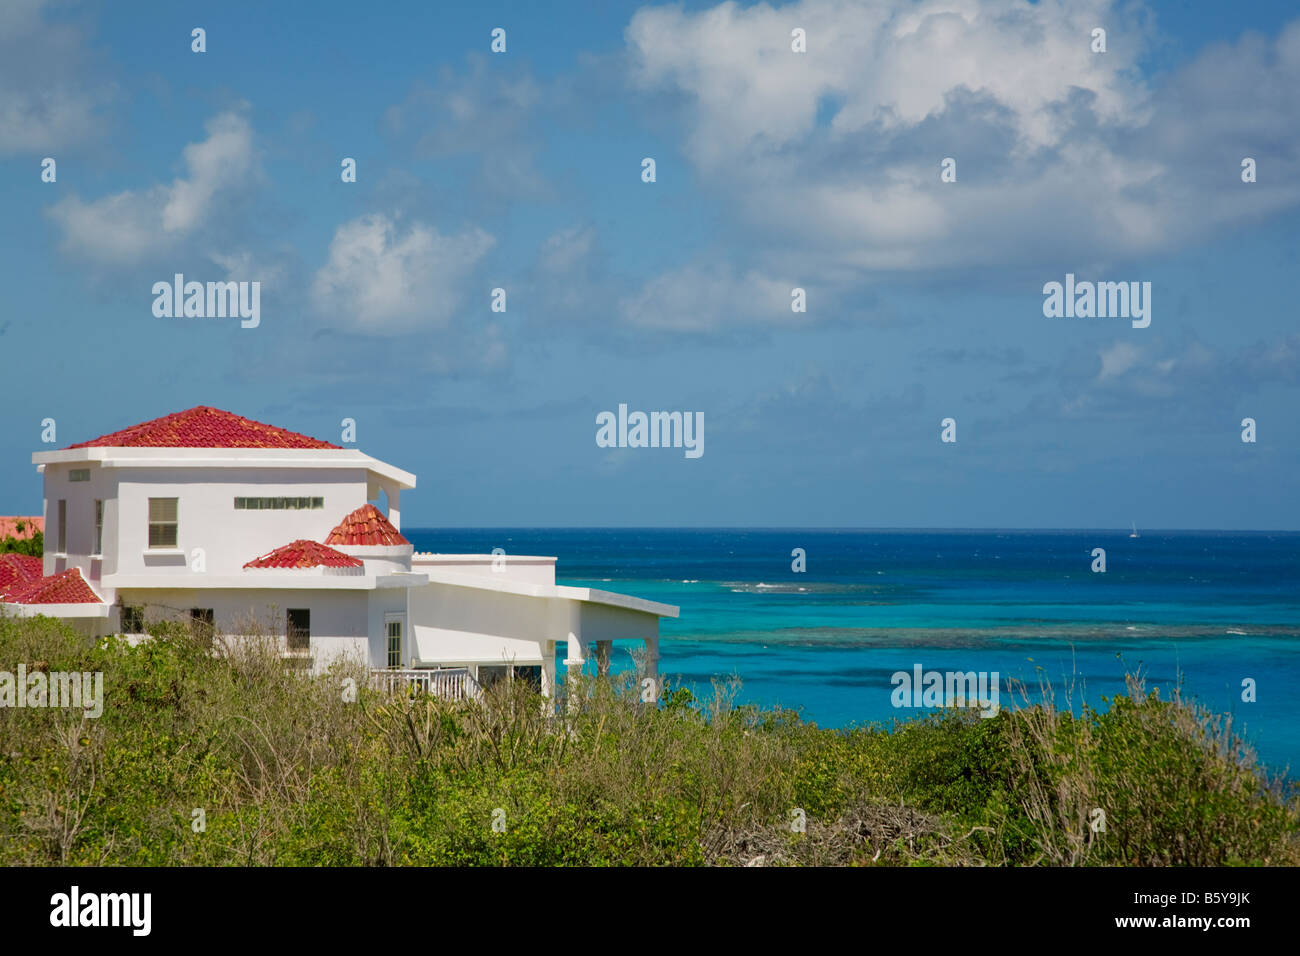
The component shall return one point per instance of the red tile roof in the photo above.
(18, 571)
(67, 587)
(204, 427)
(9, 526)
(305, 554)
(366, 525)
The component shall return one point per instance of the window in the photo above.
(99, 526)
(394, 643)
(279, 504)
(298, 628)
(489, 674)
(162, 522)
(203, 624)
(131, 619)
(63, 526)
(532, 674)
(79, 474)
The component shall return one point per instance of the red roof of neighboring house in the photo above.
(204, 427)
(9, 526)
(305, 554)
(366, 525)
(67, 587)
(18, 571)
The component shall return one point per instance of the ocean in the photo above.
(1209, 609)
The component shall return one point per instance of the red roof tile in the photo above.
(305, 554)
(67, 587)
(366, 525)
(17, 571)
(204, 427)
(9, 526)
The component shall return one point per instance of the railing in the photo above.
(449, 683)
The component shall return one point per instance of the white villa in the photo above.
(208, 516)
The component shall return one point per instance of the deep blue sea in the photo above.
(1207, 608)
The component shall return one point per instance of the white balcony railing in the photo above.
(449, 683)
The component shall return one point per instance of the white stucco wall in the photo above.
(80, 533)
(339, 619)
(207, 516)
(530, 569)
(457, 625)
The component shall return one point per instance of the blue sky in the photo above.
(775, 169)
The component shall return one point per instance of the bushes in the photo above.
(33, 546)
(288, 772)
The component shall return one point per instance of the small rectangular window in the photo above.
(298, 628)
(279, 504)
(163, 522)
(79, 474)
(394, 643)
(99, 526)
(63, 526)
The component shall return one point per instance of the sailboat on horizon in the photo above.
(1135, 531)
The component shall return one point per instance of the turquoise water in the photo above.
(1213, 608)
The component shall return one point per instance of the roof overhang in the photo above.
(587, 595)
(117, 457)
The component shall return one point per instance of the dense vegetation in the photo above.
(34, 546)
(286, 770)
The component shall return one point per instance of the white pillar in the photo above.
(548, 668)
(395, 506)
(652, 664)
(577, 647)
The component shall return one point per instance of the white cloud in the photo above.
(379, 277)
(482, 111)
(884, 62)
(130, 225)
(1118, 359)
(48, 99)
(830, 158)
(699, 298)
(566, 249)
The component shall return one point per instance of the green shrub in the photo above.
(282, 770)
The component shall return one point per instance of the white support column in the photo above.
(652, 663)
(577, 647)
(395, 506)
(548, 668)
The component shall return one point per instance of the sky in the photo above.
(774, 170)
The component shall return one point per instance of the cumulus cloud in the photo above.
(831, 158)
(127, 227)
(380, 276)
